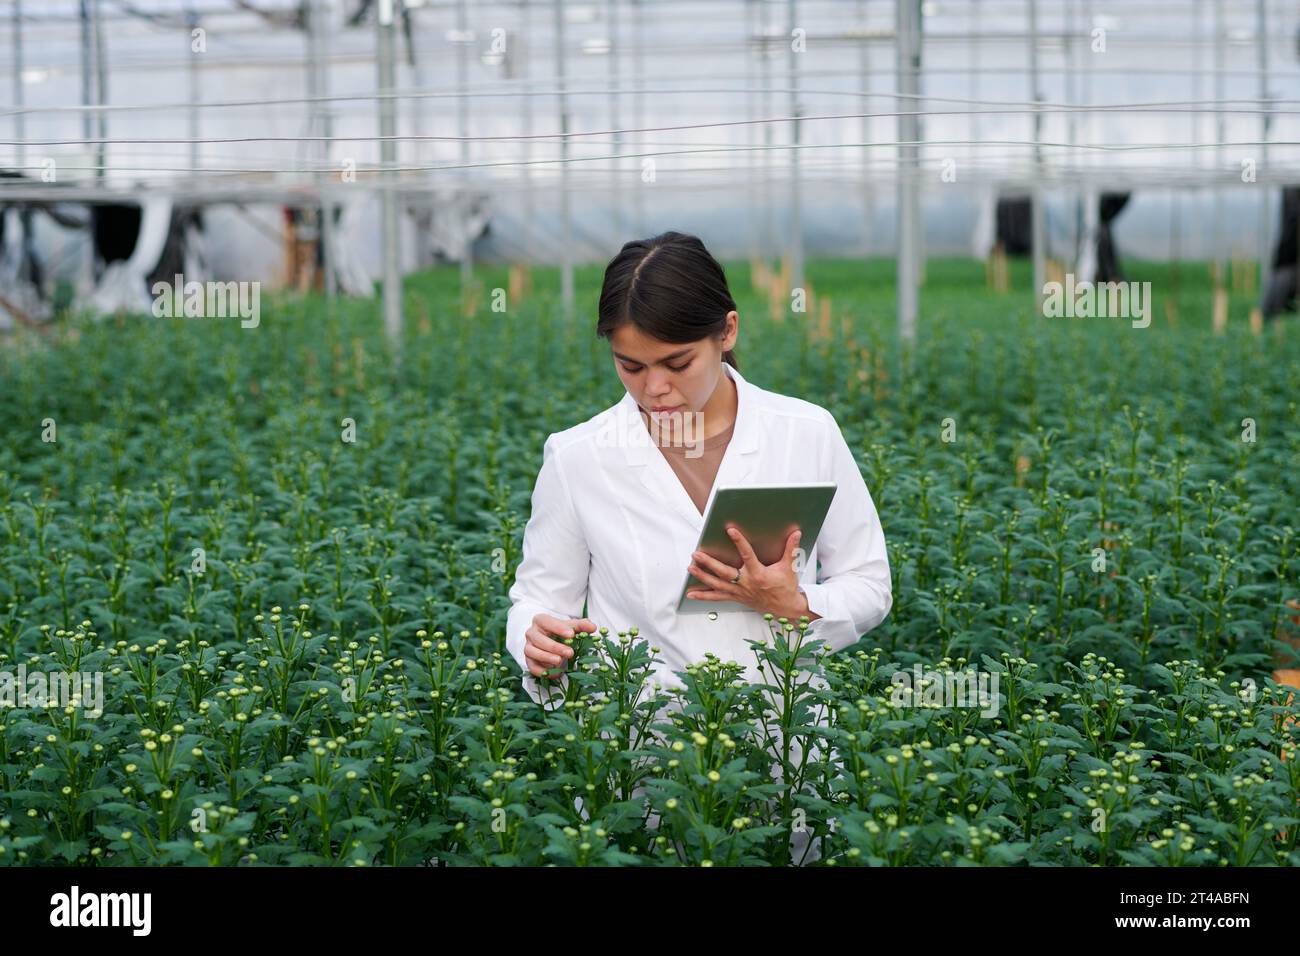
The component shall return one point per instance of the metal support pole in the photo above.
(616, 141)
(101, 92)
(751, 132)
(87, 73)
(192, 24)
(1088, 120)
(420, 203)
(566, 224)
(1220, 132)
(796, 212)
(1072, 129)
(388, 188)
(526, 106)
(765, 84)
(864, 84)
(20, 120)
(20, 135)
(321, 14)
(90, 266)
(1266, 123)
(462, 109)
(908, 67)
(1195, 157)
(1039, 223)
(638, 103)
(973, 119)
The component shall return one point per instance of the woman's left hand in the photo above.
(766, 588)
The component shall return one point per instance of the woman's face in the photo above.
(668, 376)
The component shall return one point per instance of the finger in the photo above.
(555, 626)
(546, 643)
(539, 668)
(710, 595)
(571, 627)
(710, 580)
(791, 546)
(545, 658)
(713, 565)
(742, 546)
(546, 624)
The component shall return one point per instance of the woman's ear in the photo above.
(733, 331)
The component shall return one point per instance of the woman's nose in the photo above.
(657, 386)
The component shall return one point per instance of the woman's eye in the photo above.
(671, 368)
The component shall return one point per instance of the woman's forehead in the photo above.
(631, 342)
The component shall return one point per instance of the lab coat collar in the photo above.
(738, 462)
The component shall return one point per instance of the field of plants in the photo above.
(289, 556)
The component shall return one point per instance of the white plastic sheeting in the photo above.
(16, 294)
(349, 272)
(124, 285)
(447, 223)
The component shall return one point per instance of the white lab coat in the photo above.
(611, 525)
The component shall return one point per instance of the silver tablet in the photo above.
(766, 515)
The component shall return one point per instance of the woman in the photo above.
(617, 510)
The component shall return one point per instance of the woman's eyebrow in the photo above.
(666, 358)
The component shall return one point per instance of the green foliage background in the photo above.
(1143, 691)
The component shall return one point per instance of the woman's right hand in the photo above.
(543, 645)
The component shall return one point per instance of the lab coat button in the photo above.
(713, 615)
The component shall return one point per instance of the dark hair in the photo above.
(670, 288)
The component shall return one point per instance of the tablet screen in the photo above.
(766, 515)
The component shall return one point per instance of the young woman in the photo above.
(617, 510)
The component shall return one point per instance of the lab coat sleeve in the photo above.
(552, 575)
(853, 592)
